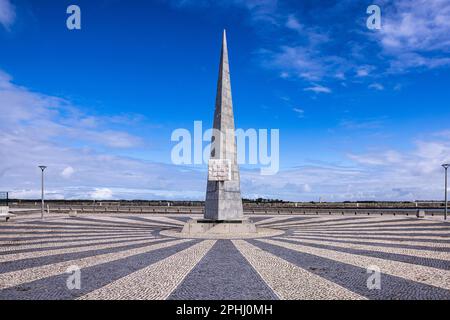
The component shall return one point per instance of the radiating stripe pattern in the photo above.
(119, 256)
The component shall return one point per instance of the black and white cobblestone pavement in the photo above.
(317, 257)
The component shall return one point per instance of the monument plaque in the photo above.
(219, 170)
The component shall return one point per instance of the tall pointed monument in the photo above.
(223, 216)
(223, 194)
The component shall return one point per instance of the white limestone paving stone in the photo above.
(18, 240)
(290, 282)
(396, 233)
(35, 230)
(301, 264)
(112, 239)
(355, 235)
(307, 223)
(393, 227)
(125, 220)
(355, 239)
(430, 253)
(66, 233)
(427, 275)
(375, 222)
(164, 220)
(27, 255)
(156, 281)
(14, 278)
(272, 220)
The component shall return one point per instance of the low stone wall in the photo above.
(247, 211)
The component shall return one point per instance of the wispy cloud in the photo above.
(364, 71)
(82, 163)
(47, 117)
(259, 10)
(422, 164)
(318, 89)
(7, 14)
(384, 174)
(27, 138)
(67, 172)
(376, 86)
(302, 62)
(293, 23)
(300, 112)
(416, 34)
(361, 124)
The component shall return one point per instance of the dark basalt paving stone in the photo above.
(352, 235)
(182, 219)
(287, 219)
(69, 226)
(355, 278)
(376, 221)
(98, 242)
(61, 236)
(223, 273)
(376, 244)
(62, 242)
(148, 221)
(116, 223)
(428, 262)
(46, 260)
(381, 233)
(385, 229)
(91, 222)
(92, 278)
(388, 226)
(316, 222)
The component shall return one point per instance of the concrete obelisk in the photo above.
(223, 195)
(223, 206)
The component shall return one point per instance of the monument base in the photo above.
(226, 229)
(219, 226)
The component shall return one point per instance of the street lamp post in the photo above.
(446, 165)
(42, 191)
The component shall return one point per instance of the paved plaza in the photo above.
(316, 257)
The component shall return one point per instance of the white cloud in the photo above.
(362, 124)
(416, 33)
(7, 14)
(318, 89)
(385, 175)
(382, 174)
(259, 10)
(31, 115)
(33, 131)
(340, 75)
(300, 112)
(307, 188)
(293, 23)
(377, 159)
(364, 71)
(102, 194)
(67, 172)
(376, 86)
(306, 62)
(27, 139)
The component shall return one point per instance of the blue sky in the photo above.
(363, 114)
